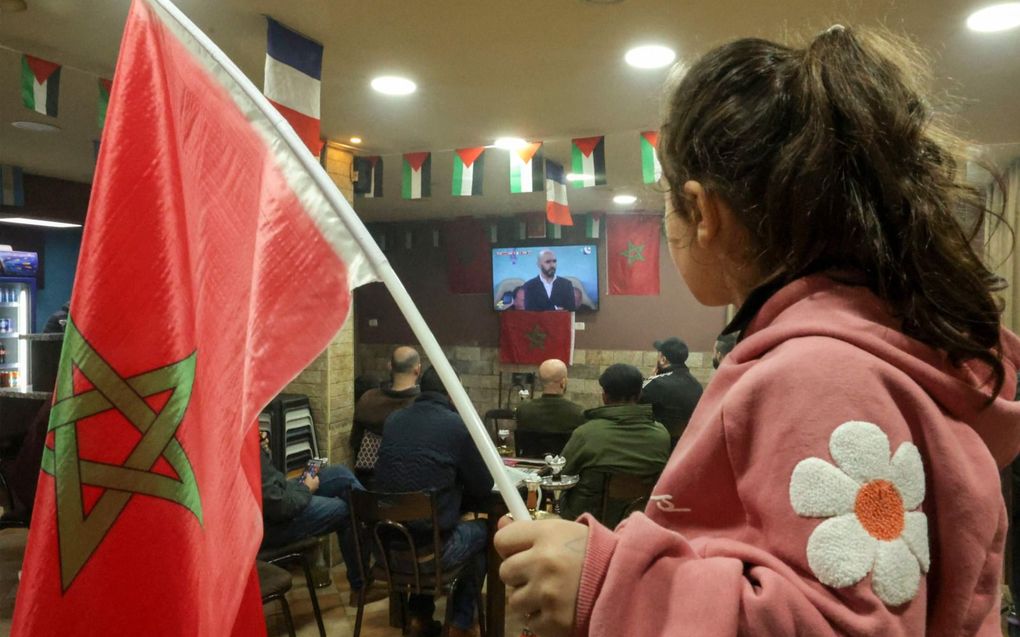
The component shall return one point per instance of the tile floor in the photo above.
(337, 616)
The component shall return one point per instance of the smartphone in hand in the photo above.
(314, 466)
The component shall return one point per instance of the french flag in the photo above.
(293, 80)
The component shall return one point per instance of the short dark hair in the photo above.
(404, 364)
(621, 382)
(430, 381)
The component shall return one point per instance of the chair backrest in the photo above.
(492, 418)
(536, 444)
(383, 523)
(622, 494)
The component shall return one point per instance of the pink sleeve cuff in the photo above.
(601, 545)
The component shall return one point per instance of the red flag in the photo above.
(185, 321)
(532, 337)
(468, 256)
(632, 259)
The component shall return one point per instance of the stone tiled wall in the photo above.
(479, 369)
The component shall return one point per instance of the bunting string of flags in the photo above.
(651, 170)
(368, 181)
(40, 85)
(556, 209)
(105, 86)
(468, 169)
(293, 80)
(526, 168)
(589, 159)
(417, 181)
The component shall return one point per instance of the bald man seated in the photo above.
(551, 412)
(375, 405)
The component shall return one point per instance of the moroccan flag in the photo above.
(417, 181)
(651, 170)
(40, 85)
(184, 323)
(104, 100)
(468, 167)
(468, 256)
(526, 168)
(556, 209)
(632, 254)
(370, 172)
(293, 80)
(532, 337)
(12, 191)
(589, 159)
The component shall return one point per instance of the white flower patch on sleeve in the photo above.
(870, 501)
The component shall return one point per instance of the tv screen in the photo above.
(546, 278)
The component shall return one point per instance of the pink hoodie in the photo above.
(837, 478)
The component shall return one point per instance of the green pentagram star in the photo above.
(536, 337)
(634, 252)
(79, 535)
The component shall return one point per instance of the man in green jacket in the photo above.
(619, 437)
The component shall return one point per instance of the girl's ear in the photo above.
(706, 213)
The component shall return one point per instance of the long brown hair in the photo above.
(831, 157)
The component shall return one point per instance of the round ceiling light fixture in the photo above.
(576, 176)
(624, 200)
(355, 140)
(997, 17)
(650, 56)
(394, 85)
(510, 143)
(35, 127)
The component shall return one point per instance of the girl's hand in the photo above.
(542, 563)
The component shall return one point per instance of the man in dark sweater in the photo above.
(428, 447)
(672, 392)
(375, 405)
(550, 413)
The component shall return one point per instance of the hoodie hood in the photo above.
(819, 306)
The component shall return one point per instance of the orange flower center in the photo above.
(879, 507)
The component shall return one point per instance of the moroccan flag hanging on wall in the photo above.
(468, 169)
(589, 159)
(370, 173)
(526, 166)
(104, 101)
(632, 254)
(556, 209)
(40, 85)
(533, 337)
(468, 256)
(651, 170)
(417, 181)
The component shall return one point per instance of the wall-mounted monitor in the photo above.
(562, 277)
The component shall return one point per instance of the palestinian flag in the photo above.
(417, 175)
(526, 169)
(651, 170)
(370, 171)
(104, 101)
(592, 226)
(589, 159)
(40, 85)
(468, 169)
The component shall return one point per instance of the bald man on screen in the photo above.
(548, 291)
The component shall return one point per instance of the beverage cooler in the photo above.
(17, 315)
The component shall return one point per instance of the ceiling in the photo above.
(541, 69)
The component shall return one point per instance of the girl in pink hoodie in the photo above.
(840, 474)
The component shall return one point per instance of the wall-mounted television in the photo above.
(562, 277)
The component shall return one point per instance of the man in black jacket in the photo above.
(672, 392)
(295, 509)
(427, 447)
(547, 291)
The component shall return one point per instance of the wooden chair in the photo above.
(381, 521)
(301, 552)
(492, 418)
(274, 583)
(536, 444)
(622, 494)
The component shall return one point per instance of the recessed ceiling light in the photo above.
(28, 221)
(38, 127)
(393, 85)
(576, 176)
(651, 56)
(355, 140)
(998, 17)
(510, 143)
(624, 200)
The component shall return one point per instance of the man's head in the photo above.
(553, 376)
(430, 381)
(519, 297)
(547, 263)
(723, 346)
(621, 383)
(405, 366)
(672, 351)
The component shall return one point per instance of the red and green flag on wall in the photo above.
(527, 169)
(533, 337)
(417, 175)
(632, 254)
(104, 101)
(40, 84)
(468, 255)
(468, 166)
(589, 161)
(651, 170)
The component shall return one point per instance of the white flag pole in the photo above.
(375, 257)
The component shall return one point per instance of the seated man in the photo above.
(427, 447)
(550, 413)
(294, 509)
(672, 392)
(372, 408)
(620, 436)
